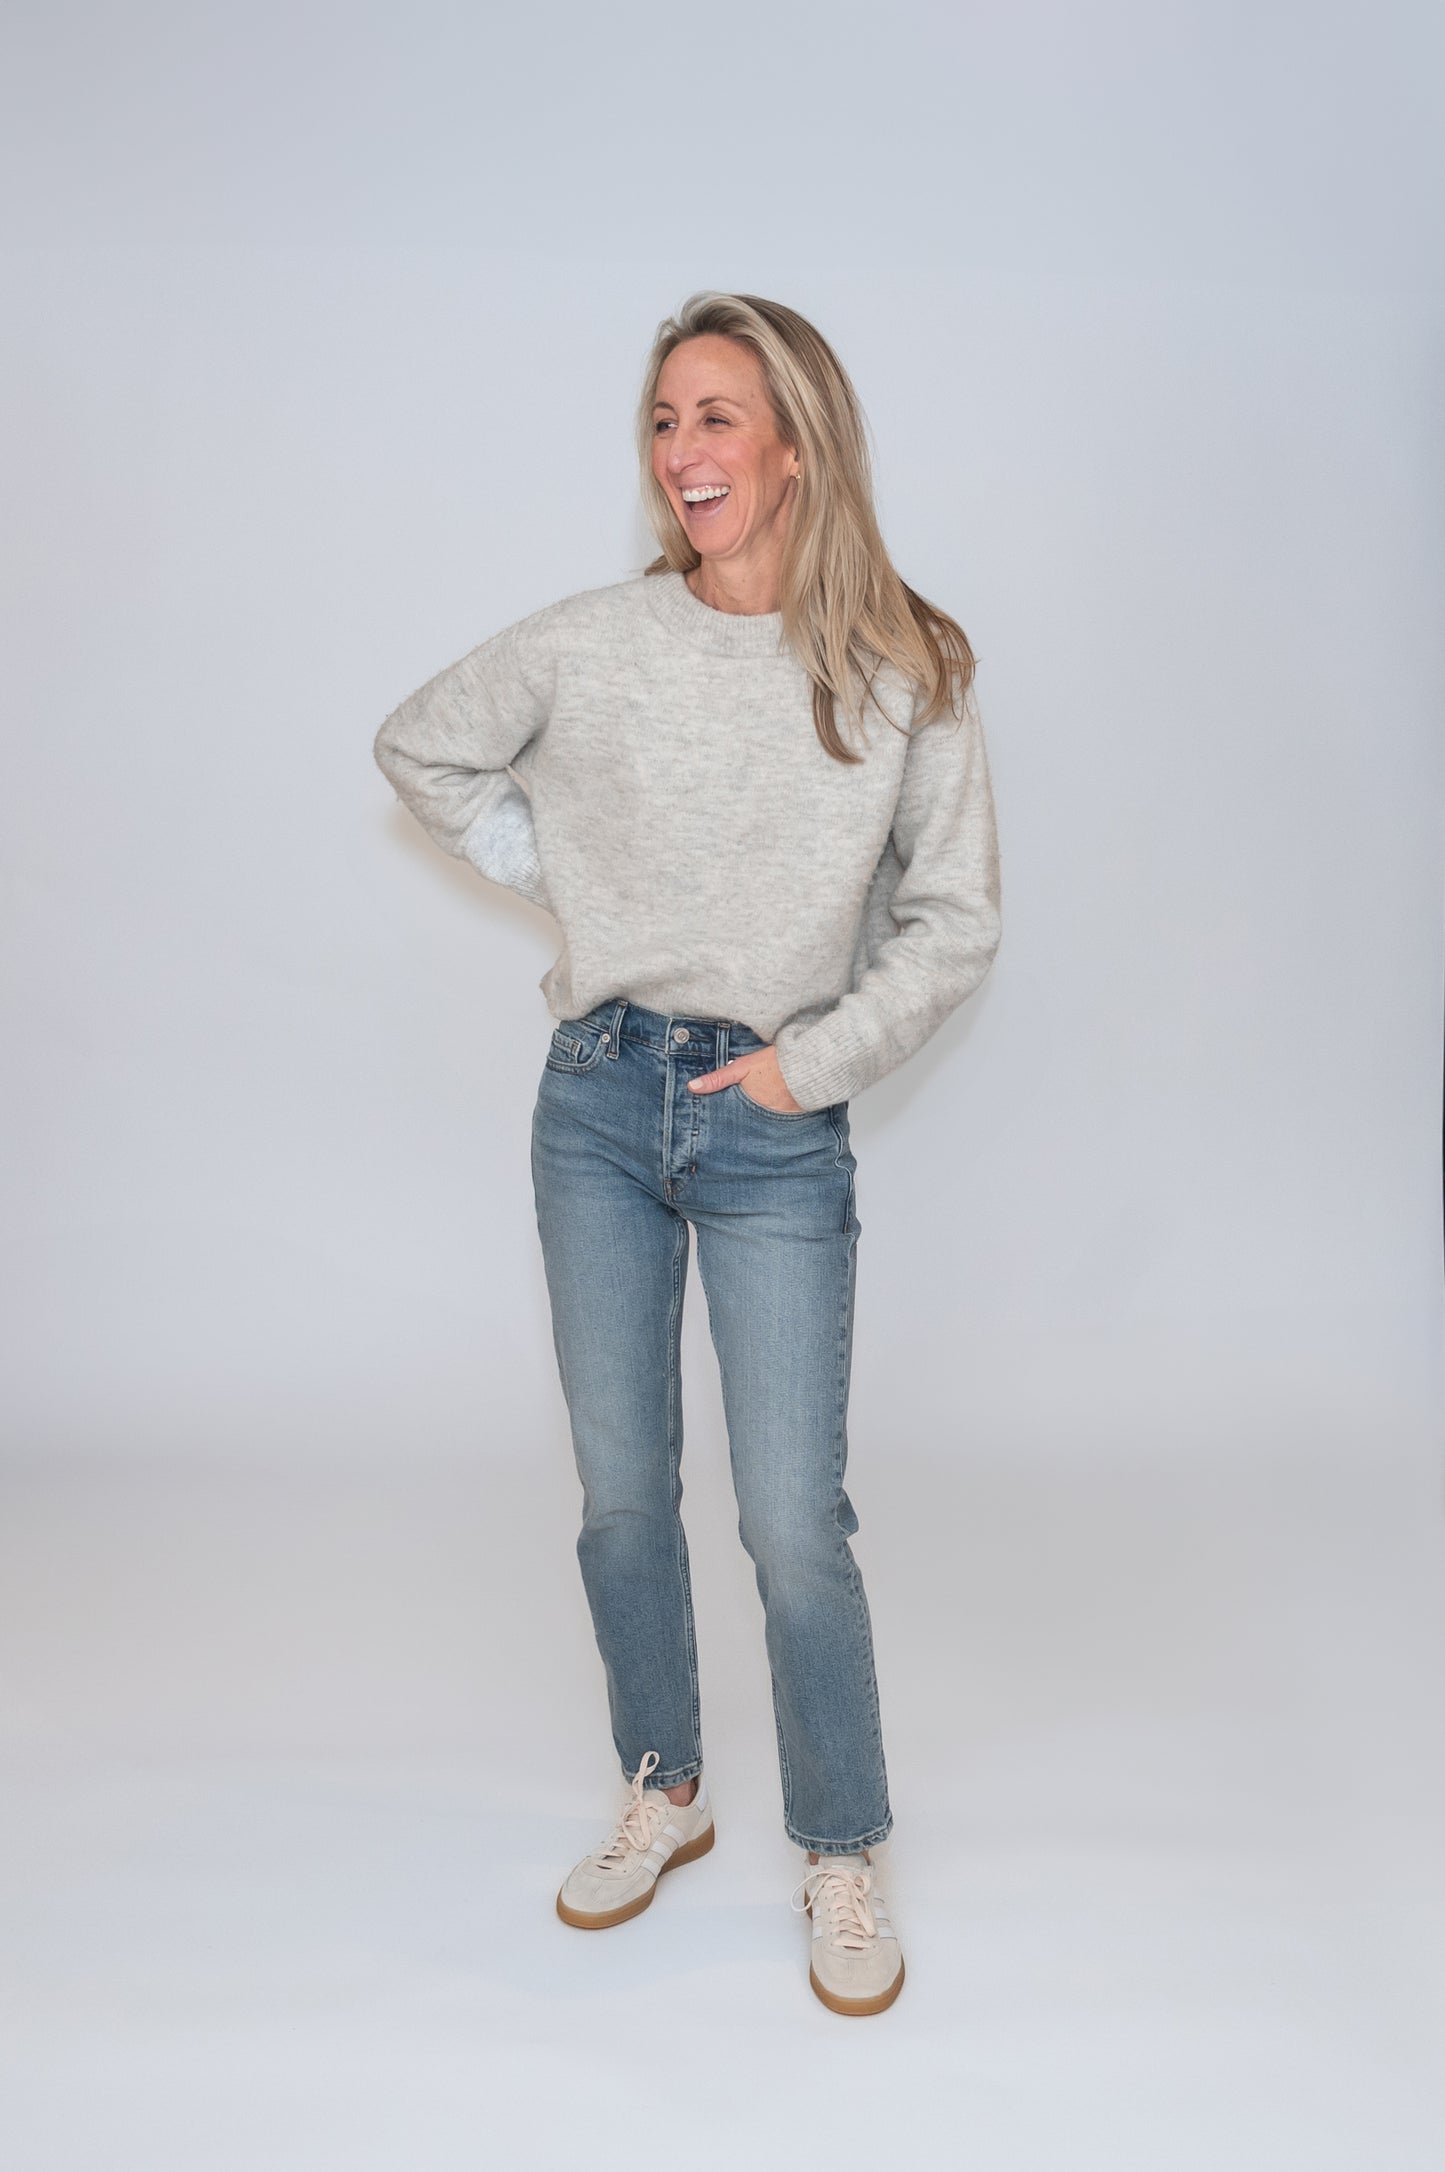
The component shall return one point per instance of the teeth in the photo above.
(698, 497)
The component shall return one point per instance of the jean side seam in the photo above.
(674, 1454)
(851, 1570)
(784, 1768)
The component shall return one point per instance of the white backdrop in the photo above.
(324, 330)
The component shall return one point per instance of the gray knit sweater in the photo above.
(645, 767)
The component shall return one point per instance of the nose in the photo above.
(681, 451)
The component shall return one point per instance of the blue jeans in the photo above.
(624, 1161)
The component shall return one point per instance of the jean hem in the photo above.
(677, 1778)
(842, 1847)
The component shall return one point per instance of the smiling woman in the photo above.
(726, 472)
(747, 397)
(760, 917)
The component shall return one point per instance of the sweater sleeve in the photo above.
(945, 910)
(445, 752)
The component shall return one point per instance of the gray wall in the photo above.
(323, 335)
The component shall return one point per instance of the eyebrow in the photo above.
(709, 399)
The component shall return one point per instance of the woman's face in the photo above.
(716, 449)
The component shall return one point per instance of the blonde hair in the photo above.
(845, 608)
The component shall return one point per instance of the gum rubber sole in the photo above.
(604, 1921)
(875, 2005)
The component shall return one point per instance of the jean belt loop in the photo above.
(721, 1053)
(614, 1028)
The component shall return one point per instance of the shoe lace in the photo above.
(640, 1822)
(844, 1896)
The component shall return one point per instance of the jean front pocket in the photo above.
(779, 1116)
(577, 1044)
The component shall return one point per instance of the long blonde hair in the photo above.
(845, 608)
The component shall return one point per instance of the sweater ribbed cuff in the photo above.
(502, 845)
(822, 1063)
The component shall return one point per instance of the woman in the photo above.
(757, 802)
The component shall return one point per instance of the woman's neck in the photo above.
(748, 591)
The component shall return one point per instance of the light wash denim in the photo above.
(625, 1160)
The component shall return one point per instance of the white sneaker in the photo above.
(651, 1836)
(857, 1964)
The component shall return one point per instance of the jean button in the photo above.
(680, 1033)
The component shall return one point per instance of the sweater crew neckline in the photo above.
(723, 633)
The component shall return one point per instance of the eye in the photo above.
(716, 418)
(660, 425)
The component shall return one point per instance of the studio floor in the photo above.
(296, 1758)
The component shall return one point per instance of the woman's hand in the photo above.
(764, 1078)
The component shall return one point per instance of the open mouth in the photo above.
(703, 502)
